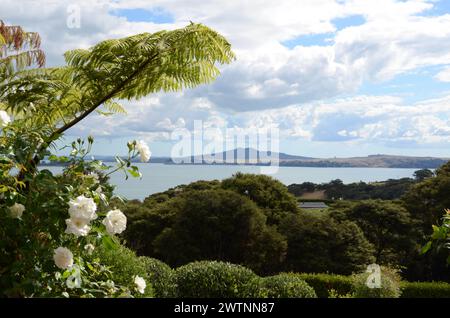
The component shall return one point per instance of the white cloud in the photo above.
(444, 75)
(297, 90)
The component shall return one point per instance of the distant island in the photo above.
(287, 160)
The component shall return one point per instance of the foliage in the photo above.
(218, 225)
(390, 285)
(161, 276)
(124, 265)
(427, 199)
(28, 241)
(50, 224)
(334, 294)
(323, 244)
(286, 285)
(441, 236)
(327, 286)
(18, 49)
(54, 100)
(387, 226)
(269, 194)
(423, 174)
(391, 189)
(213, 280)
(323, 284)
(425, 290)
(425, 202)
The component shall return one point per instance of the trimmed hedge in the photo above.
(209, 279)
(323, 283)
(212, 279)
(425, 290)
(161, 277)
(285, 285)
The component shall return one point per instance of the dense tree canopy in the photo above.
(423, 174)
(212, 224)
(427, 199)
(387, 225)
(318, 243)
(267, 192)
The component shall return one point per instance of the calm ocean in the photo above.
(160, 177)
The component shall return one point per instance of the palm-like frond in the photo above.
(18, 50)
(127, 68)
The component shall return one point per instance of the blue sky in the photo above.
(338, 78)
(156, 15)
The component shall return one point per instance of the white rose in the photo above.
(77, 227)
(115, 222)
(140, 284)
(89, 248)
(4, 119)
(82, 208)
(63, 258)
(16, 210)
(143, 150)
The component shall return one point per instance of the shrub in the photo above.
(324, 283)
(161, 277)
(212, 279)
(124, 266)
(286, 285)
(425, 290)
(390, 285)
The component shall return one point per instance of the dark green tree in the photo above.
(318, 244)
(427, 199)
(387, 225)
(268, 193)
(214, 224)
(423, 174)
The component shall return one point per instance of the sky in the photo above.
(337, 78)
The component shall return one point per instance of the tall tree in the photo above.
(387, 226)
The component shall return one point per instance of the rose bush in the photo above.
(51, 224)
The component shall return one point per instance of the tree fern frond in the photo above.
(127, 68)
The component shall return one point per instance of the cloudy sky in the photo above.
(338, 78)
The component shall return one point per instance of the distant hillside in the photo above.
(240, 156)
(373, 161)
(287, 160)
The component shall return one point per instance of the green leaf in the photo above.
(438, 233)
(108, 242)
(426, 248)
(134, 173)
